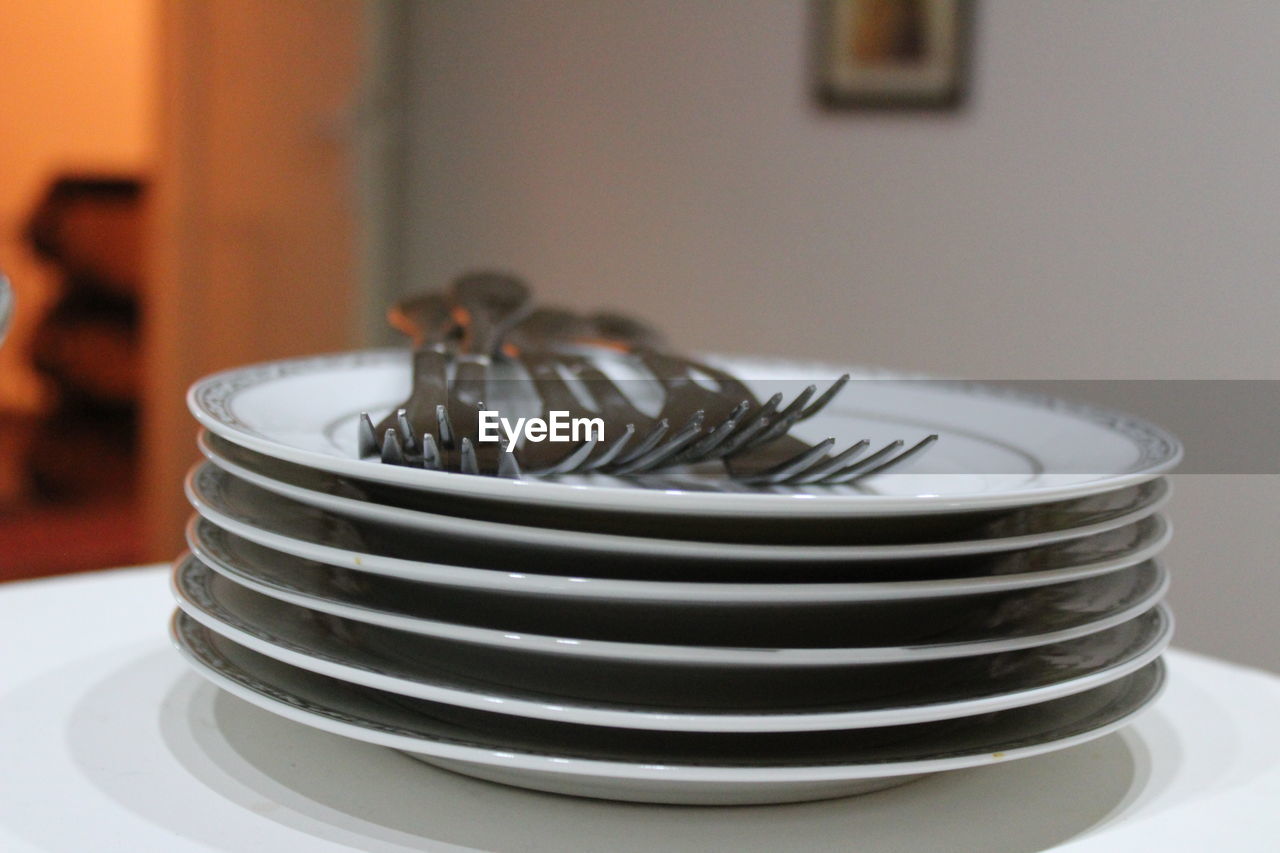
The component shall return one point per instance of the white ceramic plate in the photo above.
(945, 690)
(560, 631)
(313, 534)
(997, 449)
(659, 537)
(662, 767)
(392, 600)
(211, 487)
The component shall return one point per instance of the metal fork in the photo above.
(434, 427)
(643, 444)
(712, 425)
(816, 466)
(779, 458)
(752, 438)
(748, 436)
(634, 442)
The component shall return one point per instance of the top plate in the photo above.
(997, 449)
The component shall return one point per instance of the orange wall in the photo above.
(76, 92)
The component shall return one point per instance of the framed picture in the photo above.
(891, 53)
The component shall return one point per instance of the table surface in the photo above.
(108, 742)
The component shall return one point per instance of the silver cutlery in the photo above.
(486, 319)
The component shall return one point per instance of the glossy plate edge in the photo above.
(564, 709)
(774, 657)
(676, 549)
(618, 769)
(657, 501)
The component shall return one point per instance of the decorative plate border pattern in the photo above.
(1157, 447)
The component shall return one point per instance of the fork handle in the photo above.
(484, 307)
(424, 319)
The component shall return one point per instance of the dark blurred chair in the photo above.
(90, 228)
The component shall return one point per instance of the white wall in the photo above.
(1106, 206)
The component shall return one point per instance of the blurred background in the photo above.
(1028, 189)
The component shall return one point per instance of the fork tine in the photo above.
(763, 425)
(366, 438)
(446, 427)
(507, 465)
(700, 449)
(430, 453)
(783, 471)
(656, 432)
(611, 452)
(750, 427)
(918, 447)
(835, 463)
(467, 462)
(785, 418)
(826, 397)
(392, 452)
(852, 471)
(796, 406)
(735, 443)
(668, 449)
(767, 409)
(406, 431)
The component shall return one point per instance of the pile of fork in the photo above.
(486, 326)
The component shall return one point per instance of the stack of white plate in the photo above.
(690, 643)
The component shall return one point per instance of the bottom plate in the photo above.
(662, 767)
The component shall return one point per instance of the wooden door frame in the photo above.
(254, 257)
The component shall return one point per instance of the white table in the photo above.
(108, 743)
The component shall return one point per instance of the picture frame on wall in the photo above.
(891, 54)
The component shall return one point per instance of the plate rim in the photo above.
(675, 720)
(620, 770)
(200, 548)
(764, 656)
(213, 411)
(466, 577)
(685, 549)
